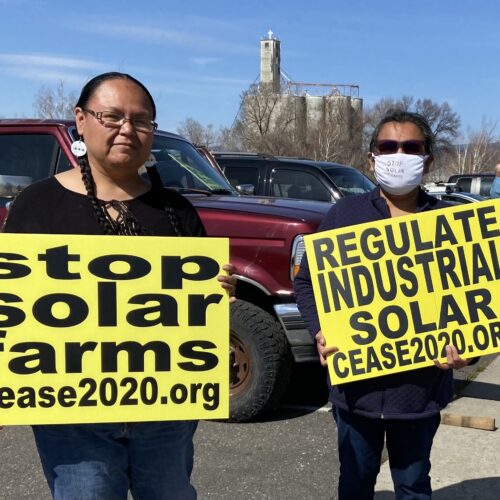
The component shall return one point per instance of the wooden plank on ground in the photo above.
(474, 422)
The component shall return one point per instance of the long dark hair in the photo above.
(100, 209)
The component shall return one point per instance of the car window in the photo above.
(464, 184)
(63, 163)
(454, 199)
(296, 184)
(349, 181)
(28, 155)
(181, 166)
(242, 175)
(485, 188)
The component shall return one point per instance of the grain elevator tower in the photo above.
(270, 70)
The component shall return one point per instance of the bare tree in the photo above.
(267, 122)
(479, 151)
(337, 136)
(199, 134)
(231, 138)
(54, 103)
(444, 122)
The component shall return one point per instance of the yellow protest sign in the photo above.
(112, 329)
(392, 294)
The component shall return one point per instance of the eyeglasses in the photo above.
(110, 119)
(388, 147)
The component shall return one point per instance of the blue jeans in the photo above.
(361, 441)
(103, 461)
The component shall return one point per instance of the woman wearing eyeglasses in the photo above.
(404, 408)
(115, 119)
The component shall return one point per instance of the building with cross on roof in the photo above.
(308, 106)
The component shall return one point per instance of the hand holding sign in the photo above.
(453, 359)
(228, 282)
(323, 350)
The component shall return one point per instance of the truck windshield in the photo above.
(181, 167)
(349, 181)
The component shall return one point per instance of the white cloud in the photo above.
(43, 75)
(49, 68)
(218, 23)
(159, 35)
(44, 61)
(204, 61)
(186, 82)
(201, 87)
(226, 80)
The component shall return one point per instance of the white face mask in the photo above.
(399, 173)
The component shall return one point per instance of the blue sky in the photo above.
(196, 57)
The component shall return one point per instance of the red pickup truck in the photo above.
(267, 331)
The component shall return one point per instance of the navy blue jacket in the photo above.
(412, 394)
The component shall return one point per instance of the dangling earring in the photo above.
(151, 161)
(78, 148)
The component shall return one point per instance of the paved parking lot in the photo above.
(293, 456)
(290, 453)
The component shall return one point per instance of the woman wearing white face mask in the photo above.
(403, 408)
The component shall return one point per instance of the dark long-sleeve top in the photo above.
(47, 207)
(411, 394)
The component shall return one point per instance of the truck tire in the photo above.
(260, 361)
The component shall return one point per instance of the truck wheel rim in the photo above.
(240, 365)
